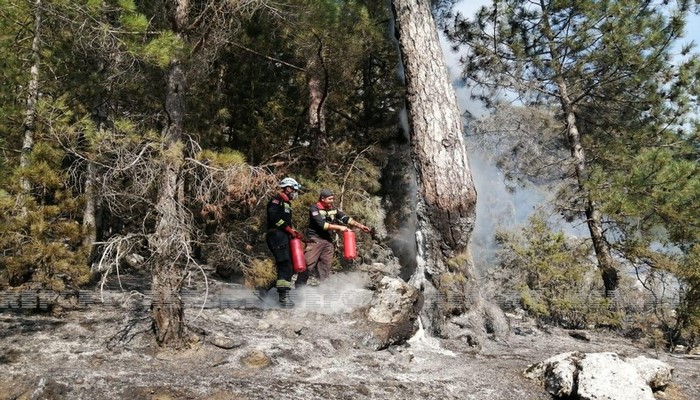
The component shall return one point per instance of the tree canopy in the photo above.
(615, 81)
(158, 127)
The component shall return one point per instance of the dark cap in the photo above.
(325, 193)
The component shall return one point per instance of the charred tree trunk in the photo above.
(446, 201)
(170, 243)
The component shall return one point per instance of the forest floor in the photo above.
(246, 348)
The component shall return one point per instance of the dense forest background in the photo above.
(152, 133)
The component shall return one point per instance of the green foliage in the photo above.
(355, 179)
(43, 240)
(94, 5)
(221, 159)
(41, 234)
(265, 98)
(551, 274)
(132, 20)
(260, 273)
(653, 197)
(128, 5)
(164, 48)
(657, 196)
(613, 66)
(14, 42)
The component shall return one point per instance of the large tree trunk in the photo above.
(446, 201)
(170, 243)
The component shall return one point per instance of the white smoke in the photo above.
(341, 293)
(498, 206)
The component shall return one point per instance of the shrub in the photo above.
(552, 276)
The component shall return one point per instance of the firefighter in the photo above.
(279, 232)
(324, 218)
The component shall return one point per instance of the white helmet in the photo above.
(290, 182)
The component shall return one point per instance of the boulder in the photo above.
(657, 374)
(392, 314)
(556, 374)
(605, 376)
(600, 376)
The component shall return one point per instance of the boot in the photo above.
(285, 300)
(313, 281)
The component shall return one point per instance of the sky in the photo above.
(496, 205)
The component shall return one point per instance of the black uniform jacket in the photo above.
(320, 218)
(279, 216)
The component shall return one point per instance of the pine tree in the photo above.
(446, 196)
(600, 64)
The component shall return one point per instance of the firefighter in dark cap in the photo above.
(324, 218)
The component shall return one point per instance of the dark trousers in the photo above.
(278, 243)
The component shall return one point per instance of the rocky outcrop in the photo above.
(601, 376)
(392, 314)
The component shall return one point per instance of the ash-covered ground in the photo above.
(243, 347)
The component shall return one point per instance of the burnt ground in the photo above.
(244, 348)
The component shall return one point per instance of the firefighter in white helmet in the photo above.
(279, 232)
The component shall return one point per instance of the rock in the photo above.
(256, 359)
(523, 331)
(600, 376)
(224, 342)
(581, 335)
(392, 314)
(657, 374)
(394, 301)
(605, 376)
(262, 325)
(297, 328)
(556, 374)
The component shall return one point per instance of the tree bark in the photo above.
(317, 85)
(170, 243)
(90, 212)
(593, 217)
(29, 123)
(446, 201)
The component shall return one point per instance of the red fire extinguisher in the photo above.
(349, 249)
(297, 250)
